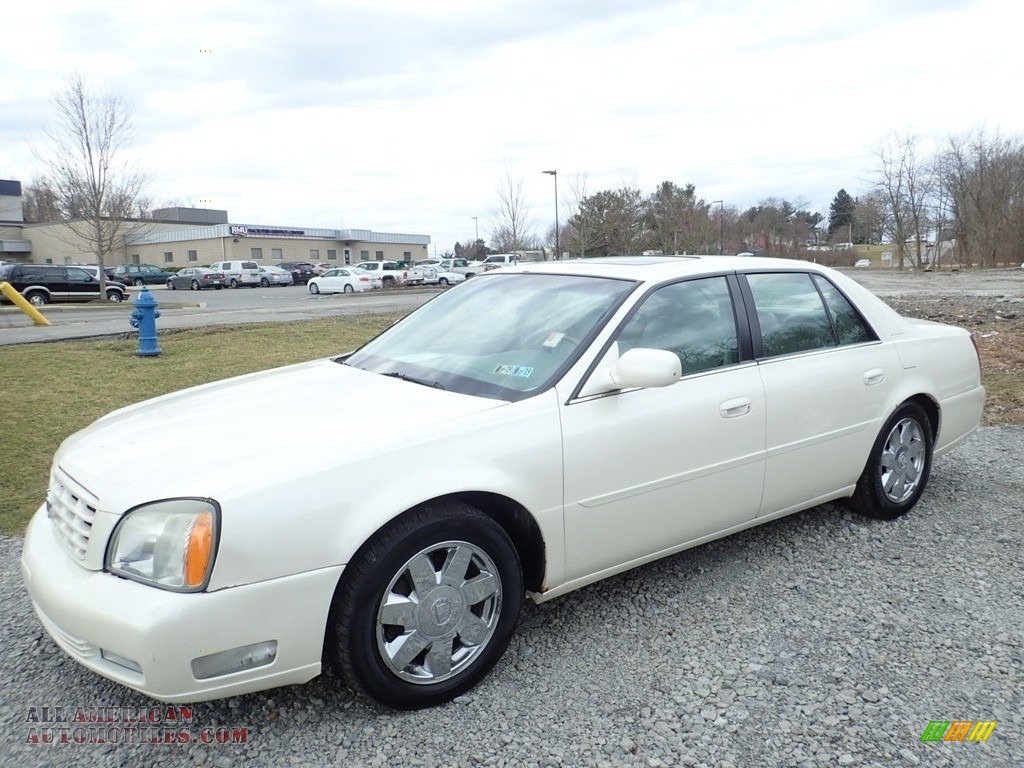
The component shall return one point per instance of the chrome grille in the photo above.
(71, 509)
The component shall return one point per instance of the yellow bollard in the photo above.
(23, 305)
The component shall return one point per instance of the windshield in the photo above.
(500, 336)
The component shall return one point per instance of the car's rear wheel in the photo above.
(37, 298)
(138, 282)
(195, 285)
(443, 281)
(349, 288)
(233, 283)
(115, 296)
(389, 282)
(427, 607)
(313, 288)
(898, 467)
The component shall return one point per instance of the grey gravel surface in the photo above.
(822, 639)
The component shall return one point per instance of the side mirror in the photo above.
(638, 367)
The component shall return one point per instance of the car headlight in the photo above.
(170, 544)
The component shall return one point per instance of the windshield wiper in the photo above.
(414, 380)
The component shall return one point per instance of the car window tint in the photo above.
(694, 319)
(790, 312)
(850, 327)
(78, 275)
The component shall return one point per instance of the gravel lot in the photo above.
(822, 639)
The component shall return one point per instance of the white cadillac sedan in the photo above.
(595, 415)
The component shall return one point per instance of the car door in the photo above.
(647, 470)
(80, 285)
(826, 380)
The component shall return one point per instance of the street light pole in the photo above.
(476, 243)
(558, 253)
(721, 226)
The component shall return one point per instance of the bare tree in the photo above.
(39, 202)
(905, 181)
(511, 217)
(96, 194)
(583, 226)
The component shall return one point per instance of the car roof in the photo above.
(657, 268)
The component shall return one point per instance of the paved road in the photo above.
(185, 309)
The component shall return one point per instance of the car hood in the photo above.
(229, 436)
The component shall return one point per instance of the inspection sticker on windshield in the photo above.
(553, 339)
(523, 371)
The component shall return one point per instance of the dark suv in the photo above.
(43, 283)
(301, 271)
(141, 274)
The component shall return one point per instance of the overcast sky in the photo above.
(404, 115)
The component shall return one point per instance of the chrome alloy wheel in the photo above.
(439, 612)
(903, 460)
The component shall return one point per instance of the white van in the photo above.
(238, 273)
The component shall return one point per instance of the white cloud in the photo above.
(399, 115)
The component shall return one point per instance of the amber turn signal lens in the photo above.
(198, 550)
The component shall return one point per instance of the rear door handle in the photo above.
(738, 406)
(874, 376)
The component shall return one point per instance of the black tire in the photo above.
(37, 298)
(115, 296)
(389, 282)
(313, 288)
(463, 627)
(139, 282)
(443, 281)
(470, 274)
(195, 285)
(171, 286)
(264, 283)
(899, 466)
(349, 288)
(233, 283)
(218, 287)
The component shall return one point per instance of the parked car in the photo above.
(340, 280)
(42, 284)
(862, 263)
(617, 411)
(94, 270)
(239, 273)
(375, 280)
(141, 274)
(196, 278)
(273, 275)
(450, 278)
(301, 271)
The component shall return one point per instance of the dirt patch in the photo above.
(997, 323)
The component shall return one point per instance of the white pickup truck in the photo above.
(391, 274)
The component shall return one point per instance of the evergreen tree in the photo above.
(841, 212)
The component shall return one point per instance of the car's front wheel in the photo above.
(898, 467)
(195, 285)
(37, 298)
(233, 283)
(171, 285)
(427, 607)
(115, 296)
(264, 283)
(313, 288)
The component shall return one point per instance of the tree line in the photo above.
(961, 204)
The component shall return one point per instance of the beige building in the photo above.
(190, 237)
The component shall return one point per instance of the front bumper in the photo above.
(88, 613)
